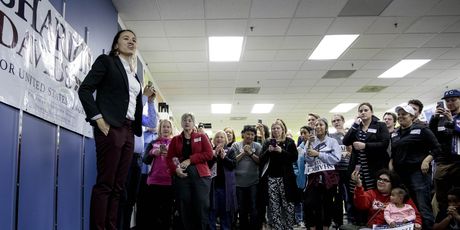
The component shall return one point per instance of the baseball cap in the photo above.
(406, 108)
(451, 93)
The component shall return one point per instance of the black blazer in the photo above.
(108, 77)
(377, 140)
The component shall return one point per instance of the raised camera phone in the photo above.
(259, 121)
(441, 104)
(149, 83)
(162, 148)
(357, 168)
(273, 142)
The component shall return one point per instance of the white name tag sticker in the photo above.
(394, 135)
(415, 131)
(372, 130)
(198, 139)
(441, 128)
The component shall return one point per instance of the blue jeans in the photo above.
(220, 211)
(247, 206)
(419, 186)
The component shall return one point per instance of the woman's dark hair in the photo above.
(324, 120)
(113, 49)
(395, 180)
(307, 128)
(391, 114)
(249, 128)
(366, 104)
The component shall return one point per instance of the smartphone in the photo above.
(357, 168)
(441, 104)
(259, 121)
(162, 148)
(273, 142)
(149, 83)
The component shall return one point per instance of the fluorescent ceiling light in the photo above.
(332, 46)
(221, 108)
(343, 107)
(262, 108)
(225, 49)
(403, 68)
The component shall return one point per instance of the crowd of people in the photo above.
(371, 174)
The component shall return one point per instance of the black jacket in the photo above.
(108, 77)
(410, 146)
(377, 140)
(444, 136)
(284, 161)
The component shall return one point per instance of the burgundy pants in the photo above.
(114, 154)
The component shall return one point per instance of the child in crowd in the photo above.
(397, 211)
(449, 218)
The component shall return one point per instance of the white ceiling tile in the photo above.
(427, 53)
(178, 9)
(218, 91)
(324, 8)
(223, 66)
(445, 7)
(190, 56)
(359, 54)
(350, 25)
(451, 54)
(309, 26)
(152, 44)
(291, 55)
(158, 56)
(348, 65)
(146, 28)
(183, 84)
(390, 25)
(406, 8)
(432, 24)
(258, 55)
(410, 40)
(317, 65)
(222, 84)
(286, 65)
(142, 10)
(226, 27)
(377, 64)
(184, 28)
(223, 9)
(393, 53)
(322, 89)
(300, 42)
(373, 40)
(176, 76)
(213, 75)
(365, 74)
(255, 66)
(439, 64)
(271, 27)
(188, 43)
(192, 67)
(273, 8)
(315, 74)
(263, 42)
(330, 82)
(454, 28)
(162, 67)
(444, 40)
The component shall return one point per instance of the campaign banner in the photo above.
(43, 61)
(318, 166)
(408, 226)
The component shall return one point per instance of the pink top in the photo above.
(159, 174)
(398, 215)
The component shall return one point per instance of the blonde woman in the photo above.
(223, 188)
(278, 154)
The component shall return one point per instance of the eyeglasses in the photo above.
(383, 180)
(336, 120)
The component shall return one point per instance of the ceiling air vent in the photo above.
(371, 89)
(364, 8)
(238, 118)
(334, 74)
(247, 90)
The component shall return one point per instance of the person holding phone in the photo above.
(444, 125)
(116, 115)
(160, 194)
(369, 139)
(323, 179)
(278, 155)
